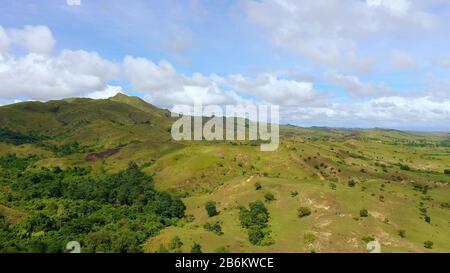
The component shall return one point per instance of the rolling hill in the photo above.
(358, 185)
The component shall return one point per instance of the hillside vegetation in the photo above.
(108, 174)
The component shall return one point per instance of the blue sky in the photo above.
(339, 63)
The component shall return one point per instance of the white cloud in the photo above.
(109, 91)
(4, 41)
(73, 2)
(43, 77)
(163, 85)
(395, 7)
(330, 31)
(357, 89)
(36, 39)
(402, 61)
(274, 90)
(386, 112)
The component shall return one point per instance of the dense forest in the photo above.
(105, 213)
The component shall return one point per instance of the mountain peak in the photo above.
(138, 103)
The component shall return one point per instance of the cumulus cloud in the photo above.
(357, 89)
(163, 85)
(43, 77)
(36, 39)
(274, 90)
(402, 61)
(387, 112)
(330, 31)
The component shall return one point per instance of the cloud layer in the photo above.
(32, 68)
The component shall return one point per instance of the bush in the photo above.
(269, 196)
(256, 215)
(303, 212)
(405, 167)
(294, 193)
(196, 248)
(255, 235)
(368, 239)
(211, 209)
(258, 186)
(428, 244)
(402, 233)
(351, 183)
(176, 243)
(215, 228)
(363, 213)
(447, 171)
(255, 220)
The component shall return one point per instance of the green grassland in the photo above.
(398, 177)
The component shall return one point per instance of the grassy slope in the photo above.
(307, 162)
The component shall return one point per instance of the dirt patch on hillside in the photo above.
(95, 156)
(12, 216)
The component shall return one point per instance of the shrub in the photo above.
(211, 209)
(255, 235)
(215, 228)
(405, 167)
(176, 243)
(256, 215)
(269, 196)
(363, 213)
(294, 193)
(368, 239)
(427, 219)
(428, 244)
(258, 186)
(196, 248)
(333, 186)
(402, 233)
(447, 171)
(351, 183)
(303, 212)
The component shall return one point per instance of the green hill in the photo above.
(53, 154)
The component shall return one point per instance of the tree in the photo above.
(303, 212)
(211, 208)
(402, 233)
(428, 244)
(363, 213)
(196, 248)
(255, 235)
